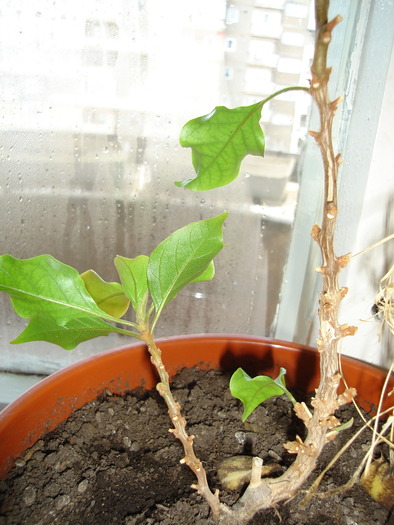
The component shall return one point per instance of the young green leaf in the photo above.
(68, 336)
(43, 286)
(344, 426)
(219, 142)
(253, 392)
(108, 296)
(133, 276)
(182, 258)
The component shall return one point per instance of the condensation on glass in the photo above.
(93, 96)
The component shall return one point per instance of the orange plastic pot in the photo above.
(44, 406)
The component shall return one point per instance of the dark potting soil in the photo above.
(114, 462)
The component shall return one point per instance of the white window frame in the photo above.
(360, 56)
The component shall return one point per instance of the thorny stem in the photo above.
(179, 430)
(322, 422)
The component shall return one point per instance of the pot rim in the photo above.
(42, 407)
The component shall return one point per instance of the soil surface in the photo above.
(114, 462)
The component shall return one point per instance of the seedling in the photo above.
(66, 308)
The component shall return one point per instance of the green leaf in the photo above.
(344, 426)
(219, 142)
(182, 258)
(207, 275)
(108, 296)
(133, 276)
(68, 336)
(43, 286)
(253, 392)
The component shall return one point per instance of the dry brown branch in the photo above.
(326, 400)
(179, 430)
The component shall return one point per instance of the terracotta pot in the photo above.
(50, 402)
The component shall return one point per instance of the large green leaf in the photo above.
(43, 286)
(219, 142)
(109, 297)
(133, 275)
(182, 258)
(69, 335)
(253, 392)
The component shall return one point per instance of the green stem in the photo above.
(127, 332)
(289, 395)
(126, 323)
(285, 90)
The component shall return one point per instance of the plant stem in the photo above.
(179, 430)
(284, 90)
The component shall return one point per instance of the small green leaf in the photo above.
(133, 276)
(43, 286)
(253, 392)
(108, 296)
(344, 426)
(219, 142)
(69, 335)
(182, 258)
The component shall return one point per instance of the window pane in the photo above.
(93, 97)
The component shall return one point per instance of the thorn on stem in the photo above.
(338, 159)
(334, 22)
(343, 260)
(347, 330)
(334, 104)
(315, 134)
(347, 396)
(343, 291)
(329, 422)
(299, 447)
(315, 233)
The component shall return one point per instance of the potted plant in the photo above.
(67, 308)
